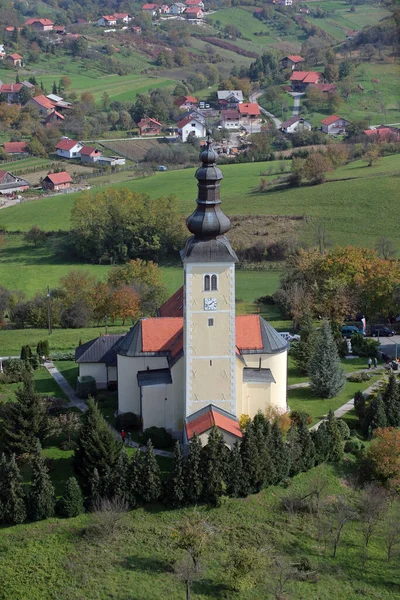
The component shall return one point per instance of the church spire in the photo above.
(208, 223)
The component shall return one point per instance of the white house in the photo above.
(107, 21)
(229, 98)
(334, 124)
(230, 118)
(122, 18)
(295, 124)
(191, 125)
(69, 148)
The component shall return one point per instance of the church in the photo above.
(197, 364)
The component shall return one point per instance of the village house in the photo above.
(194, 13)
(295, 124)
(16, 148)
(148, 126)
(177, 8)
(89, 154)
(292, 61)
(59, 29)
(11, 92)
(351, 34)
(300, 80)
(250, 115)
(197, 364)
(10, 30)
(230, 118)
(383, 133)
(15, 60)
(151, 9)
(111, 161)
(122, 18)
(54, 117)
(11, 184)
(191, 126)
(229, 98)
(326, 88)
(197, 3)
(186, 102)
(107, 21)
(136, 29)
(165, 9)
(334, 124)
(67, 148)
(40, 24)
(57, 181)
(43, 104)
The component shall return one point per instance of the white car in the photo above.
(289, 337)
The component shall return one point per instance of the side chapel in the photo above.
(198, 364)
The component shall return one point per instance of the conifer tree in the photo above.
(279, 453)
(12, 498)
(321, 442)
(359, 405)
(193, 480)
(375, 415)
(336, 451)
(97, 446)
(253, 471)
(151, 477)
(41, 497)
(94, 496)
(301, 350)
(54, 88)
(106, 483)
(324, 367)
(25, 421)
(391, 399)
(262, 433)
(294, 447)
(120, 477)
(176, 484)
(307, 447)
(26, 352)
(134, 479)
(234, 471)
(71, 504)
(212, 467)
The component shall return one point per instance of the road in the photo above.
(254, 97)
(389, 345)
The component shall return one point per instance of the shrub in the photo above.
(359, 377)
(128, 421)
(71, 503)
(344, 429)
(364, 346)
(86, 386)
(265, 300)
(159, 436)
(353, 446)
(67, 355)
(15, 370)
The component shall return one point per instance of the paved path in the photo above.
(76, 402)
(254, 97)
(345, 408)
(306, 384)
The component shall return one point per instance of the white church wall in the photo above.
(155, 405)
(176, 398)
(128, 389)
(96, 370)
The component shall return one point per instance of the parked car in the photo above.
(289, 337)
(349, 330)
(161, 168)
(381, 330)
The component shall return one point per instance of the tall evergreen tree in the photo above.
(279, 453)
(307, 447)
(301, 350)
(120, 477)
(321, 442)
(295, 449)
(54, 88)
(253, 470)
(391, 399)
(151, 477)
(176, 483)
(375, 415)
(71, 504)
(12, 497)
(134, 479)
(94, 496)
(324, 367)
(234, 471)
(336, 451)
(106, 483)
(359, 405)
(97, 446)
(25, 421)
(212, 466)
(41, 497)
(262, 434)
(193, 480)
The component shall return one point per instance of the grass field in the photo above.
(357, 208)
(44, 384)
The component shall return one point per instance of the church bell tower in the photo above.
(209, 307)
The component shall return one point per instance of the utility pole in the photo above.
(49, 311)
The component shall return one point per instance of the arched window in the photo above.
(206, 283)
(214, 282)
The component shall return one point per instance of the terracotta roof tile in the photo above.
(159, 334)
(57, 178)
(248, 333)
(173, 307)
(17, 147)
(295, 58)
(331, 119)
(249, 108)
(66, 144)
(207, 418)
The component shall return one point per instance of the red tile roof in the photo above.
(109, 17)
(193, 11)
(331, 119)
(295, 58)
(206, 420)
(149, 6)
(249, 108)
(193, 2)
(121, 15)
(305, 76)
(41, 21)
(15, 56)
(43, 101)
(10, 88)
(248, 333)
(146, 120)
(66, 144)
(381, 132)
(173, 307)
(184, 100)
(187, 120)
(325, 87)
(88, 150)
(11, 147)
(57, 178)
(159, 334)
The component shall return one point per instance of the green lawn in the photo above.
(44, 384)
(349, 365)
(358, 209)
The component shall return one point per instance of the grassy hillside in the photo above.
(358, 206)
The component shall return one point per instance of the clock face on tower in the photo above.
(210, 304)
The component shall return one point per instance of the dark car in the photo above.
(381, 330)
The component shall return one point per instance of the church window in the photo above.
(210, 322)
(214, 282)
(206, 283)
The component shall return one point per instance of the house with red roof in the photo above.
(90, 154)
(57, 181)
(40, 24)
(43, 104)
(230, 118)
(197, 365)
(198, 3)
(107, 21)
(300, 80)
(184, 102)
(12, 184)
(67, 148)
(11, 92)
(151, 9)
(295, 124)
(194, 12)
(15, 60)
(383, 133)
(292, 61)
(16, 148)
(149, 126)
(122, 18)
(191, 125)
(326, 88)
(250, 115)
(334, 124)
